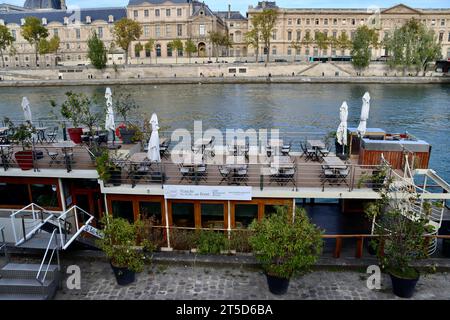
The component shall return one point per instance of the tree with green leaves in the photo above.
(149, 46)
(322, 41)
(138, 47)
(6, 41)
(266, 20)
(97, 51)
(177, 46)
(342, 42)
(49, 46)
(215, 37)
(297, 46)
(125, 32)
(365, 39)
(252, 39)
(33, 31)
(412, 45)
(190, 48)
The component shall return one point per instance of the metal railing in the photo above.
(3, 243)
(56, 248)
(33, 217)
(71, 224)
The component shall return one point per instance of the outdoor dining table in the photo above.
(284, 162)
(67, 149)
(202, 142)
(334, 163)
(316, 144)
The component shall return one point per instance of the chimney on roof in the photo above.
(229, 11)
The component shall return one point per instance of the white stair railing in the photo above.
(53, 238)
(71, 224)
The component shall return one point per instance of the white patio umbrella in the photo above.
(26, 109)
(364, 114)
(109, 121)
(341, 133)
(153, 144)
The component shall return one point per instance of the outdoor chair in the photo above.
(309, 154)
(209, 149)
(324, 152)
(53, 135)
(241, 176)
(185, 172)
(53, 156)
(201, 173)
(224, 173)
(287, 175)
(286, 149)
(342, 175)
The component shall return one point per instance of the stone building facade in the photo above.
(294, 24)
(166, 20)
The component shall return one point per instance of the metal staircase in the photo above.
(416, 209)
(33, 227)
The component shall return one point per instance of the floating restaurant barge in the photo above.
(54, 190)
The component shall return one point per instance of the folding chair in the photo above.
(53, 135)
(53, 156)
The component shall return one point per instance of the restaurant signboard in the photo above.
(207, 192)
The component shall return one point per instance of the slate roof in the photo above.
(235, 15)
(43, 4)
(58, 15)
(138, 2)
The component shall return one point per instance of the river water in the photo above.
(422, 110)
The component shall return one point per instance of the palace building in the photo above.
(164, 21)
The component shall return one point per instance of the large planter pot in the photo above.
(127, 135)
(446, 248)
(124, 276)
(75, 134)
(277, 285)
(115, 177)
(24, 159)
(402, 287)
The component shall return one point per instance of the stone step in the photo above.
(10, 296)
(27, 286)
(26, 271)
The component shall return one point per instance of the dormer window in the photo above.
(110, 18)
(22, 21)
(44, 21)
(88, 19)
(66, 20)
(202, 12)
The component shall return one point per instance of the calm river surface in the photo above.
(423, 110)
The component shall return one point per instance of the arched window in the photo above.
(158, 50)
(169, 50)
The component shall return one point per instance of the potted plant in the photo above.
(23, 134)
(108, 168)
(77, 109)
(285, 246)
(402, 235)
(124, 106)
(121, 244)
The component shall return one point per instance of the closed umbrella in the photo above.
(109, 122)
(153, 144)
(341, 133)
(26, 109)
(364, 114)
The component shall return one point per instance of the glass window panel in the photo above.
(212, 215)
(151, 210)
(123, 209)
(14, 194)
(244, 214)
(43, 195)
(183, 215)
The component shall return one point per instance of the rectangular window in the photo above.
(145, 13)
(299, 21)
(274, 35)
(202, 30)
(244, 214)
(146, 31)
(344, 21)
(334, 21)
(78, 33)
(433, 22)
(135, 13)
(179, 30)
(179, 12)
(334, 34)
(289, 35)
(157, 31)
(55, 32)
(167, 12)
(183, 215)
(308, 21)
(100, 32)
(13, 33)
(353, 22)
(123, 209)
(157, 12)
(14, 194)
(151, 210)
(442, 22)
(325, 22)
(317, 22)
(168, 27)
(212, 215)
(441, 37)
(44, 196)
(289, 22)
(299, 35)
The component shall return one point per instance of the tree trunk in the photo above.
(268, 54)
(257, 53)
(3, 60)
(126, 56)
(36, 54)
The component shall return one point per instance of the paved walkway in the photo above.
(201, 283)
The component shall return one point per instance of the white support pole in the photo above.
(13, 226)
(229, 219)
(61, 194)
(166, 212)
(106, 204)
(293, 209)
(76, 217)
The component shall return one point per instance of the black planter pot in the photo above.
(127, 135)
(124, 276)
(277, 285)
(115, 177)
(403, 288)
